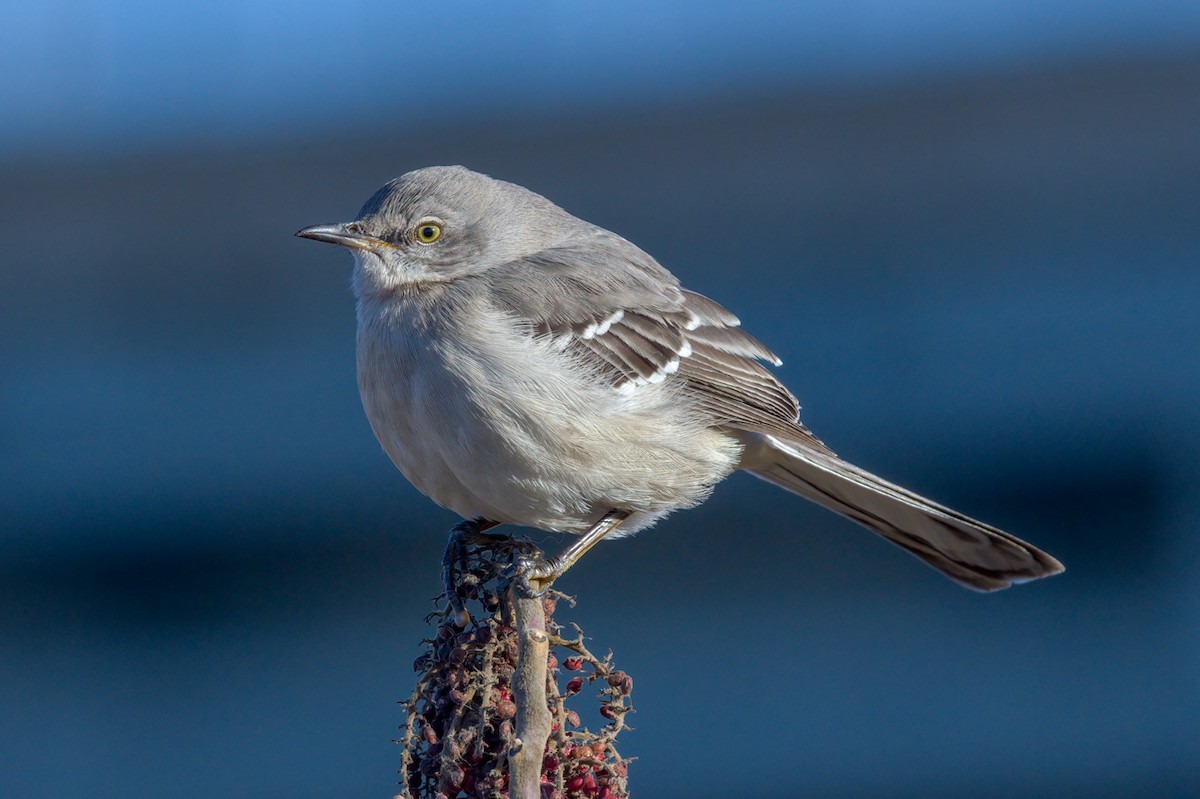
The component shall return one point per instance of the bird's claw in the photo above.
(470, 532)
(532, 573)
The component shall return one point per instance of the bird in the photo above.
(522, 366)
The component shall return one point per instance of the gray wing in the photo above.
(627, 318)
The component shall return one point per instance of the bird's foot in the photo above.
(467, 533)
(533, 573)
(538, 574)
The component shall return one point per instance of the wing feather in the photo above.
(616, 308)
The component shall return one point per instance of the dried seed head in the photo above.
(452, 776)
(463, 713)
(621, 681)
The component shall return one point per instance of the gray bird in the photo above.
(522, 366)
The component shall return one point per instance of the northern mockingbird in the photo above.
(522, 366)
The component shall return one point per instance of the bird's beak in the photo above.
(339, 234)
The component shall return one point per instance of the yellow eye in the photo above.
(428, 232)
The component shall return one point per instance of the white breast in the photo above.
(488, 421)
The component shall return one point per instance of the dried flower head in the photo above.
(460, 718)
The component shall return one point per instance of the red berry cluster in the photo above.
(461, 716)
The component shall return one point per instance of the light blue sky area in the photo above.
(88, 74)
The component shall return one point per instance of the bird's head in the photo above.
(440, 223)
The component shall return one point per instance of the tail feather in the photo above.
(967, 551)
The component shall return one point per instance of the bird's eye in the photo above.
(428, 232)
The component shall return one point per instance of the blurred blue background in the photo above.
(970, 228)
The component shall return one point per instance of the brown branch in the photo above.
(410, 720)
(529, 692)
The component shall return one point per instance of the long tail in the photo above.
(969, 552)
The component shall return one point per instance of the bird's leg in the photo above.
(539, 574)
(454, 560)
